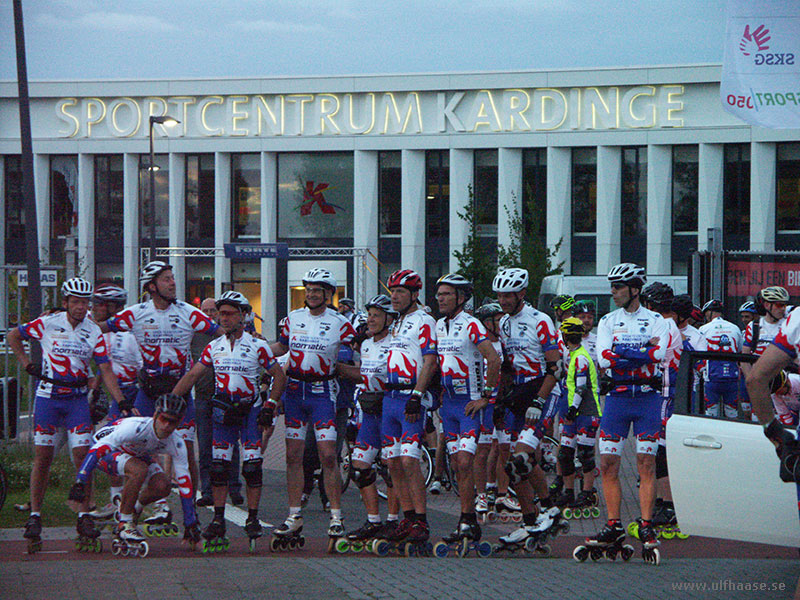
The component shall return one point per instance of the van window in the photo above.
(603, 303)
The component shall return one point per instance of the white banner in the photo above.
(761, 67)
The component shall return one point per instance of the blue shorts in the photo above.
(533, 435)
(400, 438)
(302, 406)
(486, 420)
(130, 392)
(147, 407)
(70, 412)
(643, 411)
(368, 440)
(460, 431)
(725, 391)
(582, 430)
(227, 436)
(561, 404)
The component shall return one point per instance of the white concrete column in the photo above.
(711, 159)
(177, 219)
(659, 210)
(509, 191)
(763, 169)
(41, 178)
(365, 217)
(269, 235)
(559, 204)
(609, 207)
(222, 217)
(4, 274)
(131, 210)
(462, 176)
(412, 224)
(86, 239)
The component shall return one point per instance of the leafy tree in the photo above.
(475, 261)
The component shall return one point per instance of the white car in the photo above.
(724, 476)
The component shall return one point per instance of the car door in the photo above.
(724, 477)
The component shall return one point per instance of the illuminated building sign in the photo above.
(378, 113)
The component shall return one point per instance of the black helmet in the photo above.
(658, 295)
(458, 282)
(170, 404)
(778, 382)
(562, 302)
(713, 305)
(585, 306)
(682, 306)
(487, 311)
(382, 302)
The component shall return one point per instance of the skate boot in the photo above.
(564, 500)
(506, 510)
(129, 541)
(417, 543)
(465, 538)
(359, 539)
(106, 512)
(436, 487)
(33, 533)
(393, 541)
(666, 523)
(160, 523)
(650, 543)
(556, 486)
(88, 535)
(608, 542)
(522, 538)
(549, 524)
(215, 540)
(481, 507)
(253, 531)
(491, 496)
(288, 535)
(585, 505)
(335, 532)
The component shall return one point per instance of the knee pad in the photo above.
(586, 456)
(219, 472)
(661, 462)
(566, 458)
(252, 473)
(363, 477)
(518, 467)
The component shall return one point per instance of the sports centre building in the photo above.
(631, 164)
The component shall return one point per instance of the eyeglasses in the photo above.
(315, 290)
(618, 286)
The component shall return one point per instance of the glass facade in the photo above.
(161, 177)
(199, 279)
(634, 205)
(736, 197)
(15, 214)
(534, 190)
(485, 196)
(110, 218)
(63, 204)
(199, 200)
(584, 211)
(246, 195)
(787, 197)
(437, 221)
(684, 206)
(389, 212)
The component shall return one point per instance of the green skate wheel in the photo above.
(667, 534)
(342, 545)
(586, 513)
(567, 512)
(681, 536)
(252, 545)
(357, 547)
(595, 512)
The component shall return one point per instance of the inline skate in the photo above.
(335, 533)
(465, 539)
(650, 543)
(33, 533)
(215, 539)
(608, 542)
(361, 539)
(481, 507)
(161, 523)
(585, 506)
(564, 500)
(410, 538)
(129, 541)
(288, 535)
(666, 523)
(506, 510)
(253, 531)
(88, 535)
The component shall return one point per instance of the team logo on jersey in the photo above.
(325, 326)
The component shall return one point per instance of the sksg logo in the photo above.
(779, 58)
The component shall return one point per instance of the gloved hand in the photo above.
(191, 533)
(572, 413)
(534, 412)
(77, 493)
(34, 369)
(266, 415)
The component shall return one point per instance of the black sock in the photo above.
(546, 502)
(219, 513)
(252, 514)
(529, 518)
(409, 514)
(421, 517)
(469, 518)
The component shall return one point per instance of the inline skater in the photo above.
(721, 377)
(747, 312)
(785, 389)
(128, 447)
(631, 342)
(463, 345)
(581, 420)
(586, 311)
(531, 347)
(347, 308)
(163, 327)
(562, 307)
(312, 336)
(371, 375)
(682, 309)
(69, 342)
(412, 364)
(239, 410)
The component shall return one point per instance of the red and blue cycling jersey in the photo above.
(460, 361)
(788, 337)
(526, 336)
(720, 335)
(413, 337)
(237, 368)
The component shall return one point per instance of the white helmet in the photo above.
(320, 276)
(510, 280)
(152, 270)
(111, 293)
(774, 293)
(629, 274)
(382, 302)
(78, 287)
(234, 299)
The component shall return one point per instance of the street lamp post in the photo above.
(162, 120)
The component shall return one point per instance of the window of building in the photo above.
(736, 197)
(246, 278)
(199, 200)
(315, 195)
(15, 213)
(63, 204)
(246, 195)
(389, 212)
(437, 220)
(199, 279)
(534, 190)
(634, 205)
(485, 196)
(584, 211)
(110, 217)
(684, 206)
(787, 197)
(161, 194)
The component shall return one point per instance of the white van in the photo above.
(596, 288)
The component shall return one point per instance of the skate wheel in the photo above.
(357, 547)
(565, 527)
(491, 516)
(463, 549)
(682, 536)
(626, 552)
(293, 544)
(301, 542)
(530, 544)
(115, 548)
(517, 518)
(148, 531)
(342, 546)
(595, 513)
(410, 550)
(667, 534)
(611, 554)
(581, 553)
(502, 518)
(441, 549)
(274, 544)
(144, 549)
(595, 554)
(567, 513)
(651, 556)
(586, 513)
(175, 529)
(98, 545)
(126, 550)
(545, 550)
(381, 547)
(484, 549)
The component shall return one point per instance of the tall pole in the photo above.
(152, 195)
